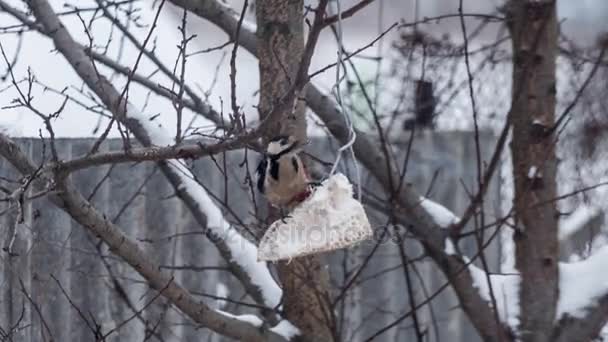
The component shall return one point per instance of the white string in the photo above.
(351, 134)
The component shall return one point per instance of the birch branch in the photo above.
(73, 203)
(254, 276)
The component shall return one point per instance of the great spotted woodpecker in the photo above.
(282, 177)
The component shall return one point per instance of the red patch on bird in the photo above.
(299, 198)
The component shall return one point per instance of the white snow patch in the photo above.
(507, 250)
(537, 122)
(506, 293)
(581, 284)
(450, 249)
(441, 215)
(221, 291)
(507, 255)
(598, 242)
(577, 221)
(244, 253)
(251, 319)
(533, 172)
(603, 335)
(286, 329)
(157, 134)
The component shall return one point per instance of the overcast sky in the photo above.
(582, 20)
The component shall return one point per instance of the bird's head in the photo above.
(282, 145)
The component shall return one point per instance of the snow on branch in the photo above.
(243, 252)
(450, 249)
(285, 329)
(581, 284)
(73, 203)
(577, 221)
(506, 293)
(440, 214)
(505, 287)
(251, 319)
(221, 292)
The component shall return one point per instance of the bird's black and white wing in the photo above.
(261, 174)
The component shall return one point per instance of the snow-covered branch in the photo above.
(583, 295)
(243, 252)
(505, 288)
(83, 212)
(506, 293)
(440, 214)
(284, 328)
(238, 252)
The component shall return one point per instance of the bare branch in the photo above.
(154, 153)
(69, 200)
(348, 13)
(255, 276)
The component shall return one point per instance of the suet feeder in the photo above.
(329, 219)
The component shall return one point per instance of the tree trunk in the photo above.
(533, 28)
(280, 46)
(280, 35)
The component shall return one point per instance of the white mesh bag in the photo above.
(330, 218)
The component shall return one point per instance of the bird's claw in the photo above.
(284, 217)
(314, 184)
